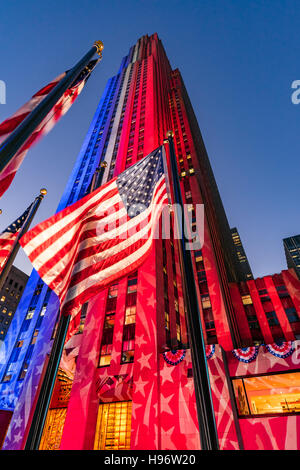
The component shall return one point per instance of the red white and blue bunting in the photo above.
(246, 354)
(174, 357)
(281, 349)
(210, 350)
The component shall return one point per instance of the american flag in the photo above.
(60, 108)
(9, 236)
(101, 237)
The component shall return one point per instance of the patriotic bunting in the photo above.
(281, 349)
(246, 354)
(174, 357)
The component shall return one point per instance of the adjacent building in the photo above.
(245, 268)
(292, 252)
(125, 380)
(10, 296)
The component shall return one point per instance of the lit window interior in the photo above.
(268, 394)
(113, 426)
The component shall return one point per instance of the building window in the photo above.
(108, 327)
(292, 314)
(246, 299)
(268, 394)
(113, 427)
(53, 429)
(106, 348)
(206, 302)
(130, 314)
(272, 318)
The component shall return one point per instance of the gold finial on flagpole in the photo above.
(99, 45)
(43, 191)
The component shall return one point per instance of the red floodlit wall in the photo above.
(281, 291)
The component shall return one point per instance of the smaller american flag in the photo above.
(101, 237)
(59, 109)
(9, 236)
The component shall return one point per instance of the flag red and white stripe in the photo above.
(10, 124)
(94, 241)
(9, 235)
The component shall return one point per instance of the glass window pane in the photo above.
(240, 397)
(269, 394)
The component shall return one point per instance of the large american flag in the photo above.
(9, 235)
(101, 237)
(58, 110)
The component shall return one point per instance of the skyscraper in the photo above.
(292, 252)
(10, 296)
(126, 379)
(241, 255)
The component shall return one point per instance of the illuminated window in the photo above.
(2, 298)
(105, 356)
(130, 314)
(178, 332)
(36, 332)
(113, 426)
(206, 302)
(7, 377)
(109, 321)
(30, 314)
(268, 394)
(246, 299)
(167, 321)
(53, 429)
(108, 327)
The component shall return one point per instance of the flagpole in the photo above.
(41, 409)
(25, 227)
(206, 418)
(18, 137)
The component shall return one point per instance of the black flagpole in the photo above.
(24, 229)
(18, 137)
(206, 418)
(40, 413)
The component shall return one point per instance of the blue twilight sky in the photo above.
(238, 59)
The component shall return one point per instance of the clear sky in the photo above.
(238, 59)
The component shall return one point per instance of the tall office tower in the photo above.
(292, 252)
(125, 379)
(241, 255)
(10, 296)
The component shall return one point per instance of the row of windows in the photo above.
(269, 310)
(12, 366)
(129, 323)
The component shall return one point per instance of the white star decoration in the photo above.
(144, 360)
